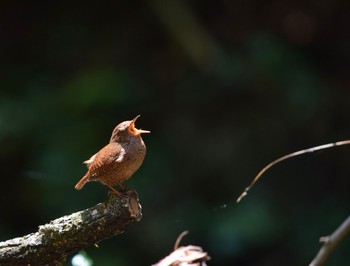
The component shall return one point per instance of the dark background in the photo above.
(224, 86)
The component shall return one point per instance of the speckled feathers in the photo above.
(118, 160)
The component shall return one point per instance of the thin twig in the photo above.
(297, 153)
(331, 242)
(179, 238)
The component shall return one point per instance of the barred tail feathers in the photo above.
(82, 181)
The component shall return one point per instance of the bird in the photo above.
(119, 159)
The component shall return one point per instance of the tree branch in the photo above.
(54, 241)
(331, 242)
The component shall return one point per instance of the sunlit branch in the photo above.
(51, 244)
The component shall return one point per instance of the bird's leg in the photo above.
(121, 186)
(118, 193)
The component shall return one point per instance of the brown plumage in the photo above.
(118, 160)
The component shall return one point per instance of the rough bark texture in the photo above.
(51, 244)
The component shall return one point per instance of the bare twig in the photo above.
(54, 241)
(297, 153)
(331, 242)
(179, 238)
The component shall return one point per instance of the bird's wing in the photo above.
(105, 159)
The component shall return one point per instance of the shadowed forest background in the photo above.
(224, 86)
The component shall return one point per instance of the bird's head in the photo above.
(127, 129)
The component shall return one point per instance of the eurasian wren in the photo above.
(118, 160)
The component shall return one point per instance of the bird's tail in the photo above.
(82, 181)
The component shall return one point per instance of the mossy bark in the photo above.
(51, 244)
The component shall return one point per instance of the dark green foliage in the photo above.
(247, 82)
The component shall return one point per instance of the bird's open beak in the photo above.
(133, 130)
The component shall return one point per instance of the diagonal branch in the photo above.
(331, 242)
(285, 157)
(54, 241)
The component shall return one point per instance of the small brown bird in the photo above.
(118, 160)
